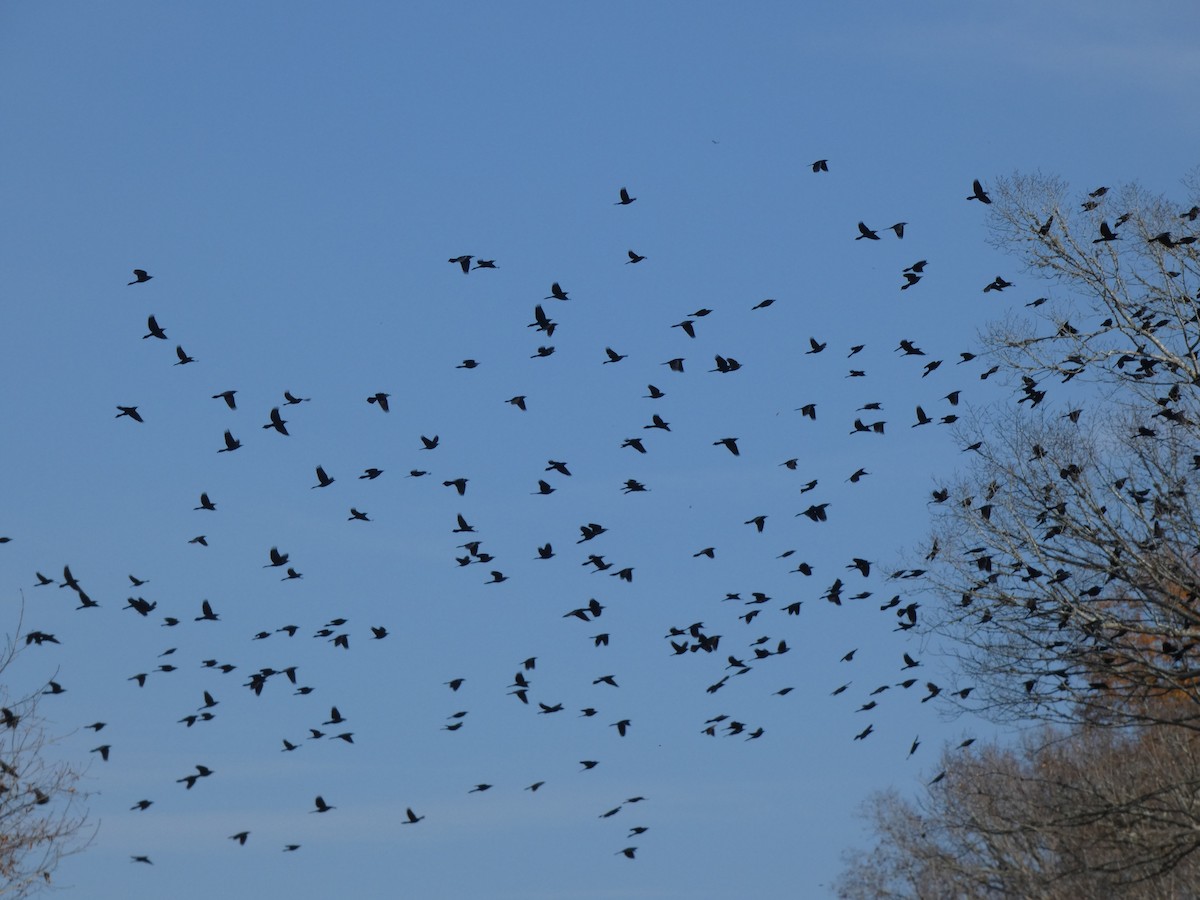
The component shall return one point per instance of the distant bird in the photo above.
(543, 352)
(675, 365)
(227, 396)
(413, 818)
(429, 443)
(997, 284)
(155, 330)
(763, 304)
(199, 539)
(865, 232)
(459, 484)
(131, 412)
(140, 276)
(103, 751)
(628, 852)
(759, 522)
(464, 261)
(184, 359)
(625, 198)
(479, 789)
(240, 837)
(323, 480)
(321, 805)
(291, 401)
(357, 515)
(1106, 234)
(380, 398)
(277, 558)
(484, 264)
(556, 293)
(821, 165)
(655, 393)
(730, 444)
(231, 443)
(518, 402)
(467, 364)
(613, 355)
(898, 228)
(371, 474)
(277, 421)
(206, 503)
(978, 193)
(634, 258)
(140, 859)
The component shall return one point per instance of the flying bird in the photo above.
(625, 198)
(978, 193)
(140, 276)
(155, 330)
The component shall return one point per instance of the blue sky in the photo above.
(295, 177)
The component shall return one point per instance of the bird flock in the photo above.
(722, 647)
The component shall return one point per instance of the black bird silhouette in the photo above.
(634, 258)
(155, 330)
(464, 261)
(429, 443)
(763, 304)
(655, 393)
(206, 503)
(380, 398)
(231, 443)
(484, 264)
(625, 198)
(898, 228)
(291, 401)
(227, 396)
(277, 421)
(323, 480)
(613, 355)
(321, 805)
(140, 276)
(821, 165)
(865, 232)
(240, 837)
(730, 444)
(556, 293)
(518, 402)
(131, 412)
(184, 359)
(1106, 234)
(978, 193)
(413, 818)
(459, 484)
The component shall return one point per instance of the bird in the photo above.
(484, 264)
(206, 503)
(184, 359)
(429, 443)
(820, 165)
(465, 364)
(231, 443)
(323, 480)
(131, 412)
(613, 355)
(1106, 234)
(227, 396)
(655, 393)
(464, 261)
(628, 852)
(357, 515)
(240, 837)
(556, 293)
(277, 558)
(103, 751)
(978, 193)
(518, 402)
(865, 232)
(730, 444)
(370, 474)
(634, 258)
(625, 198)
(381, 399)
(412, 817)
(321, 805)
(140, 276)
(154, 330)
(206, 613)
(898, 228)
(292, 401)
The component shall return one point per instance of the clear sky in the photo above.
(294, 177)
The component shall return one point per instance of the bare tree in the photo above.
(1068, 556)
(1085, 812)
(42, 810)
